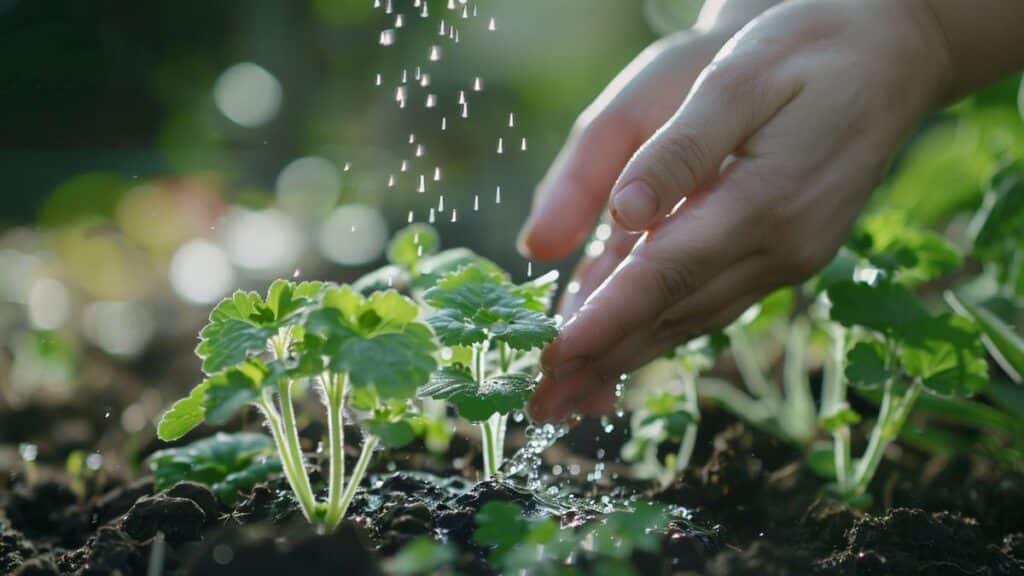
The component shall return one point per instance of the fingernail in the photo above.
(635, 205)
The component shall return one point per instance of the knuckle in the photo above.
(684, 157)
(673, 281)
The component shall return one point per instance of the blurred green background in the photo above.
(160, 155)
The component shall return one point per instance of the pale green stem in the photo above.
(689, 440)
(291, 436)
(833, 399)
(737, 402)
(369, 444)
(306, 502)
(334, 394)
(749, 366)
(487, 433)
(891, 416)
(799, 418)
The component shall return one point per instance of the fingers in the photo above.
(576, 188)
(666, 267)
(731, 100)
(590, 389)
(602, 256)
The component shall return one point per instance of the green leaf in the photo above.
(1005, 345)
(840, 269)
(394, 434)
(386, 278)
(842, 417)
(538, 293)
(911, 255)
(500, 526)
(411, 244)
(947, 354)
(227, 463)
(218, 398)
(375, 340)
(475, 304)
(867, 366)
(886, 307)
(478, 402)
(432, 268)
(821, 460)
(998, 227)
(622, 532)
(242, 324)
(420, 556)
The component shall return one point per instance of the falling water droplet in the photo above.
(529, 269)
(522, 145)
(387, 37)
(465, 110)
(431, 100)
(462, 96)
(410, 218)
(476, 203)
(422, 186)
(391, 180)
(437, 173)
(455, 215)
(419, 150)
(442, 30)
(412, 138)
(377, 80)
(347, 167)
(440, 203)
(398, 21)
(425, 80)
(478, 84)
(497, 195)
(388, 9)
(432, 217)
(451, 4)
(444, 123)
(501, 145)
(435, 53)
(424, 12)
(492, 25)
(400, 93)
(511, 120)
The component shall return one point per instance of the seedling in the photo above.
(490, 323)
(886, 340)
(784, 410)
(367, 352)
(672, 416)
(227, 463)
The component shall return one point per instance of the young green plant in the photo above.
(884, 341)
(491, 323)
(369, 353)
(672, 415)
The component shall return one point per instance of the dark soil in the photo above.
(752, 509)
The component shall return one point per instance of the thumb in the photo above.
(731, 100)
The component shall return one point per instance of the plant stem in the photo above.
(798, 409)
(306, 502)
(291, 437)
(334, 394)
(750, 367)
(689, 440)
(369, 444)
(488, 434)
(891, 416)
(833, 399)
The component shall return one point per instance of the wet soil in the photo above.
(749, 507)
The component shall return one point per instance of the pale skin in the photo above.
(733, 159)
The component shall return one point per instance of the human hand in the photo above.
(752, 184)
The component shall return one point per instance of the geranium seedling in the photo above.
(368, 352)
(227, 463)
(480, 311)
